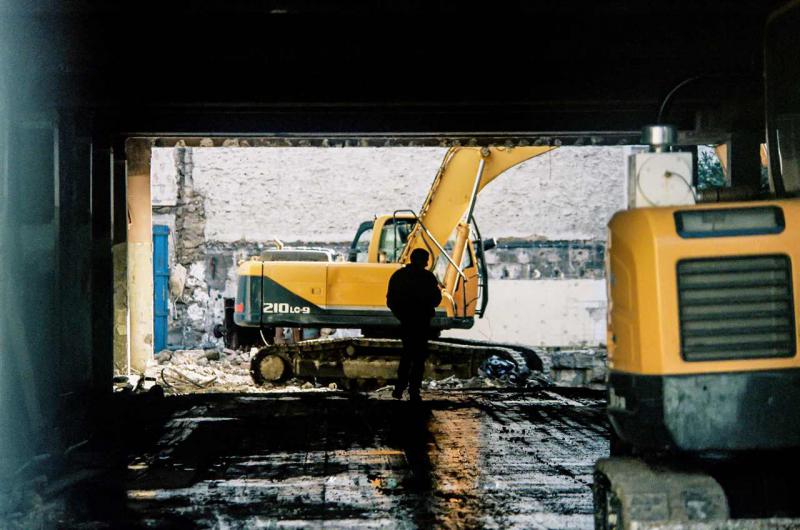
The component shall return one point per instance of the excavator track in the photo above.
(523, 356)
(363, 362)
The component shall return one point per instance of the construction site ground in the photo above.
(490, 458)
(223, 371)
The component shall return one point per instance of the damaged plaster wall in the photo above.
(180, 206)
(549, 215)
(313, 194)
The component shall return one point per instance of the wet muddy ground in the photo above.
(461, 459)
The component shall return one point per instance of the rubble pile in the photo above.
(494, 373)
(185, 371)
(214, 371)
(577, 368)
(473, 383)
(228, 371)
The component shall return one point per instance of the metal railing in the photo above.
(442, 251)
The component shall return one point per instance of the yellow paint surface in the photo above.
(643, 253)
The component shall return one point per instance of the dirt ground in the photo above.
(461, 459)
(197, 445)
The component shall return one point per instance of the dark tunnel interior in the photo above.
(78, 78)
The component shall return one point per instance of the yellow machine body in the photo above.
(644, 251)
(702, 335)
(347, 294)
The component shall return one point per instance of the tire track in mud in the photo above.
(543, 462)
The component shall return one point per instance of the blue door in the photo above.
(160, 286)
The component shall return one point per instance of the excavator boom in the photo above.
(464, 172)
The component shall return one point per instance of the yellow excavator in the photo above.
(352, 294)
(704, 373)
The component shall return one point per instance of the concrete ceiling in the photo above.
(379, 66)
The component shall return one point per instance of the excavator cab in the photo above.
(465, 286)
(359, 248)
(383, 240)
(703, 295)
(392, 238)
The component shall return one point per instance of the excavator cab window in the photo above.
(468, 261)
(359, 248)
(442, 263)
(362, 247)
(393, 238)
(440, 269)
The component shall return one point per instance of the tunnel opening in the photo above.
(209, 204)
(221, 431)
(212, 207)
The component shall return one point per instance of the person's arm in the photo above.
(391, 293)
(436, 293)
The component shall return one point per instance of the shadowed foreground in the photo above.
(461, 459)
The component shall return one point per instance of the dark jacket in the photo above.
(413, 294)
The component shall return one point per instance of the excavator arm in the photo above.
(464, 172)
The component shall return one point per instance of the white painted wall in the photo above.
(163, 177)
(543, 313)
(313, 194)
(569, 193)
(307, 194)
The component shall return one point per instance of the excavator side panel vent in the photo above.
(736, 308)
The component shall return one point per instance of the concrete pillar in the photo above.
(119, 256)
(140, 254)
(102, 279)
(119, 253)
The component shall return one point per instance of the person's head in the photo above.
(419, 257)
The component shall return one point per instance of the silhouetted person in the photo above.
(413, 296)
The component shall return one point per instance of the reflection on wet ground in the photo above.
(459, 460)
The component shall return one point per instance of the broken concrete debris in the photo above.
(454, 383)
(583, 368)
(225, 370)
(217, 371)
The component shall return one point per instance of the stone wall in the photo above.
(543, 260)
(225, 203)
